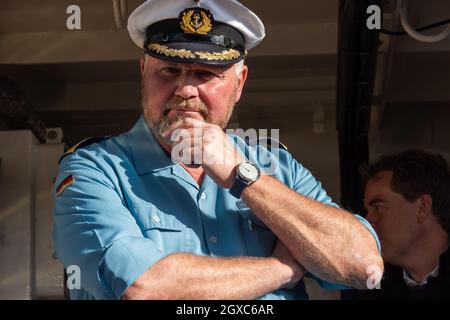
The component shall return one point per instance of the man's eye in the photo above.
(171, 70)
(205, 74)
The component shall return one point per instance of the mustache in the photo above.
(196, 105)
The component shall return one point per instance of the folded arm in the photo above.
(187, 276)
(329, 242)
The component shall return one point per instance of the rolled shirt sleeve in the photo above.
(94, 230)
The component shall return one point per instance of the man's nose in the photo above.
(186, 87)
(371, 217)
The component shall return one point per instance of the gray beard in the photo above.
(160, 123)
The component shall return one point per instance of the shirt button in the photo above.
(156, 218)
(203, 196)
(250, 225)
(213, 239)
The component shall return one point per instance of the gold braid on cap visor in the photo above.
(188, 54)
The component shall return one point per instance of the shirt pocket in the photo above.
(259, 239)
(167, 232)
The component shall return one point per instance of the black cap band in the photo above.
(170, 40)
(222, 40)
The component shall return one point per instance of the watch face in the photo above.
(248, 171)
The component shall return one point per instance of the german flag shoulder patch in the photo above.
(82, 144)
(64, 184)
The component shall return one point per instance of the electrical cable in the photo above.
(427, 27)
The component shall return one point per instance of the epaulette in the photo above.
(82, 144)
(268, 142)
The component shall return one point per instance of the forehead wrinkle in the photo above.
(188, 65)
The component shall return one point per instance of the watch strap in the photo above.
(237, 188)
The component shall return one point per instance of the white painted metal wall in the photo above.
(27, 171)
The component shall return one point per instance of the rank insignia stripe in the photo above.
(82, 144)
(64, 184)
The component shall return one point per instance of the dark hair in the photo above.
(415, 173)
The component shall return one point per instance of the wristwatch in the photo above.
(246, 174)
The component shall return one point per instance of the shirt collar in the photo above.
(147, 153)
(444, 262)
(410, 282)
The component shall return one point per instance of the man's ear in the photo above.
(425, 203)
(241, 81)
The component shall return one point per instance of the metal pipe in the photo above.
(123, 10)
(117, 14)
(401, 8)
(357, 53)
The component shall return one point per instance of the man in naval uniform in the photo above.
(141, 225)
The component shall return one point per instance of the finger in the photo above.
(184, 135)
(186, 141)
(185, 123)
(189, 155)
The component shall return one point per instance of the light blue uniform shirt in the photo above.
(130, 206)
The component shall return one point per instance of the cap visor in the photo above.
(190, 52)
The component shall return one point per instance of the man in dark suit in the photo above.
(407, 197)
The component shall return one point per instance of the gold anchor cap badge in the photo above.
(196, 20)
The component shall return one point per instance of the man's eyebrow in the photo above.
(217, 69)
(172, 63)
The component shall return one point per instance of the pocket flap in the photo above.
(152, 218)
